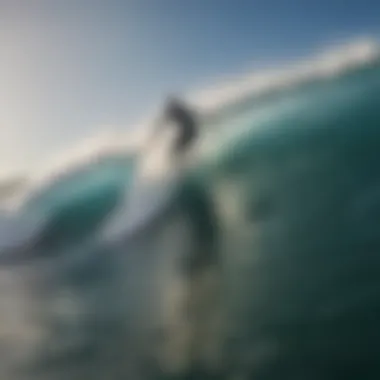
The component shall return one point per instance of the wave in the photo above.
(108, 155)
(216, 103)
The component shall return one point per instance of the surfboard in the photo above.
(156, 180)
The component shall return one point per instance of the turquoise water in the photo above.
(265, 265)
(77, 204)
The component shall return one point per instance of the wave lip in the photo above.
(326, 64)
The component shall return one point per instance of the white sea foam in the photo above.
(324, 64)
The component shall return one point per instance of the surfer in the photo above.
(158, 171)
(181, 120)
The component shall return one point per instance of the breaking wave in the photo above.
(218, 107)
(100, 169)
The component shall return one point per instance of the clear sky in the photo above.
(69, 67)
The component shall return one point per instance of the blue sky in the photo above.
(69, 67)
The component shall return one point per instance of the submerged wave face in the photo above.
(264, 265)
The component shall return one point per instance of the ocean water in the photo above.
(263, 264)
